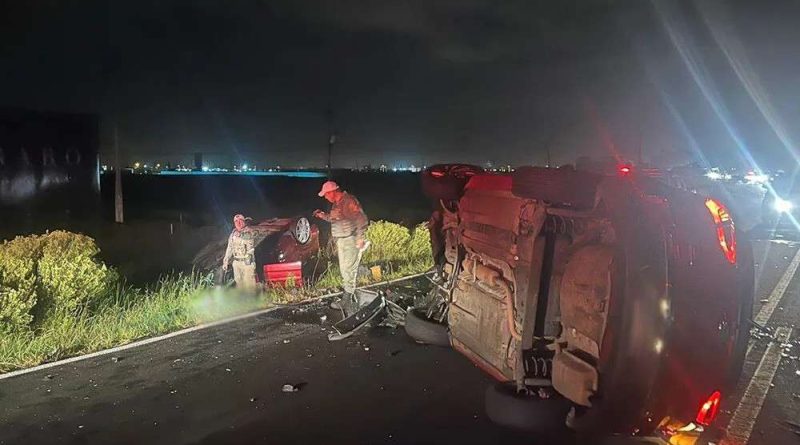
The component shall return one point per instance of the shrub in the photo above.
(18, 292)
(389, 242)
(70, 275)
(420, 245)
(44, 273)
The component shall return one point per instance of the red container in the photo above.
(281, 273)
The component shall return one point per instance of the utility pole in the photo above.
(331, 139)
(118, 211)
(640, 148)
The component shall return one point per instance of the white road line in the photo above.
(199, 327)
(765, 313)
(775, 297)
(744, 418)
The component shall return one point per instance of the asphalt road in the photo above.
(223, 385)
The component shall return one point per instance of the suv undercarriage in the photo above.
(584, 295)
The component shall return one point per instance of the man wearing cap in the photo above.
(241, 254)
(348, 227)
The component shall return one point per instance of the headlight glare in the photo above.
(783, 206)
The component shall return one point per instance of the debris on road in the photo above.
(370, 305)
(290, 388)
(48, 377)
(115, 359)
(286, 340)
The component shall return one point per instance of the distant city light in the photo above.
(205, 168)
(714, 176)
(244, 166)
(224, 172)
(136, 165)
(756, 178)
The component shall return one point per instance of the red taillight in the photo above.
(726, 234)
(709, 409)
(437, 174)
(624, 170)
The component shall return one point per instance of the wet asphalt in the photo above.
(223, 385)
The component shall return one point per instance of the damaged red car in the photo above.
(616, 305)
(284, 247)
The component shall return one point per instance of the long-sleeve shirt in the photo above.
(241, 247)
(347, 218)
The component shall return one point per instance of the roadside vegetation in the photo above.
(57, 299)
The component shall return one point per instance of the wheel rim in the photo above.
(302, 230)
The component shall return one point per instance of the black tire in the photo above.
(523, 412)
(557, 186)
(424, 330)
(447, 181)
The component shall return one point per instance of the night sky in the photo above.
(415, 81)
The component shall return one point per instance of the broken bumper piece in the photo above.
(371, 305)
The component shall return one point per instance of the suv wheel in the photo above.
(446, 181)
(506, 407)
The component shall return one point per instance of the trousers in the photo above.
(244, 275)
(349, 259)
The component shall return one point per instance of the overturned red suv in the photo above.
(614, 304)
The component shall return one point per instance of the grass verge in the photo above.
(174, 302)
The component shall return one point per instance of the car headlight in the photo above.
(782, 205)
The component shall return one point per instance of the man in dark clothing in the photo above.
(348, 226)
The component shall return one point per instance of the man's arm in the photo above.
(322, 215)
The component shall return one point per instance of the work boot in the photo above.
(349, 304)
